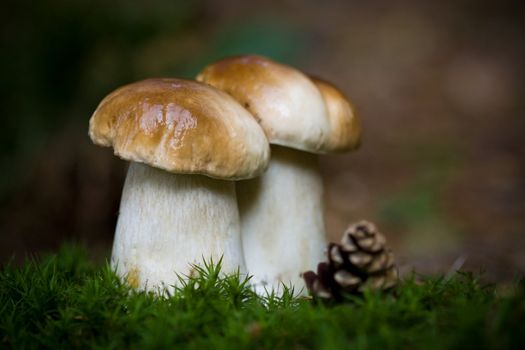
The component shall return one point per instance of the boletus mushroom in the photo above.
(186, 141)
(281, 212)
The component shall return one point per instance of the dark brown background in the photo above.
(438, 85)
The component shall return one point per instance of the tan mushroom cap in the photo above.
(345, 126)
(181, 126)
(289, 106)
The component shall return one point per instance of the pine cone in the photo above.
(362, 260)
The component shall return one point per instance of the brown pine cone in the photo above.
(362, 260)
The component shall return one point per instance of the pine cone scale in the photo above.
(334, 255)
(346, 279)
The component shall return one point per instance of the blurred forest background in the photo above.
(439, 87)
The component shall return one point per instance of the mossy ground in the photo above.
(64, 301)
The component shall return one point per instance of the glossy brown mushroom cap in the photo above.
(181, 126)
(294, 110)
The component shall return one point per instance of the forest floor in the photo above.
(65, 301)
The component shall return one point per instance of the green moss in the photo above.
(64, 301)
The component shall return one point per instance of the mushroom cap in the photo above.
(181, 126)
(284, 101)
(294, 110)
(345, 126)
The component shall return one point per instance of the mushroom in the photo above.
(281, 212)
(184, 140)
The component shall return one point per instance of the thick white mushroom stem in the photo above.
(169, 221)
(282, 223)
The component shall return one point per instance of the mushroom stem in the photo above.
(282, 223)
(168, 222)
